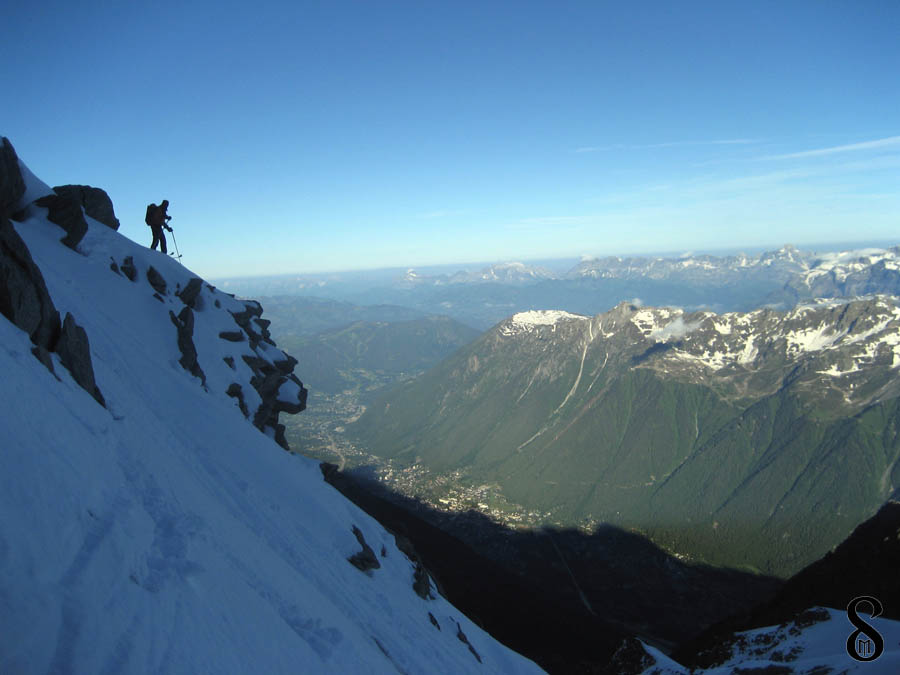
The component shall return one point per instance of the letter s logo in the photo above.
(871, 646)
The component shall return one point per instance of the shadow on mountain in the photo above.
(866, 563)
(653, 350)
(564, 598)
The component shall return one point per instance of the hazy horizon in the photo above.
(559, 262)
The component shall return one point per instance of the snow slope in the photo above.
(167, 534)
(816, 645)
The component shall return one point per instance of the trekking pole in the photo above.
(177, 253)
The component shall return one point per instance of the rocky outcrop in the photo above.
(257, 329)
(268, 380)
(66, 212)
(190, 292)
(12, 186)
(25, 301)
(96, 202)
(235, 391)
(24, 298)
(270, 375)
(128, 268)
(74, 351)
(155, 279)
(184, 324)
(365, 560)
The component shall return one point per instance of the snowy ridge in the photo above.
(815, 642)
(525, 322)
(164, 532)
(786, 261)
(842, 264)
(716, 341)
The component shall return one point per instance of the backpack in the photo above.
(151, 209)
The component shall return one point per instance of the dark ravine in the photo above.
(519, 585)
(866, 563)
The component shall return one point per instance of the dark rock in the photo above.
(434, 622)
(268, 377)
(66, 212)
(229, 360)
(128, 268)
(264, 334)
(286, 367)
(156, 280)
(12, 186)
(280, 438)
(184, 323)
(159, 297)
(251, 309)
(258, 365)
(365, 560)
(236, 391)
(421, 582)
(43, 356)
(462, 638)
(113, 266)
(24, 298)
(96, 202)
(74, 351)
(190, 292)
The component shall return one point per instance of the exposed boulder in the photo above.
(257, 329)
(24, 298)
(128, 268)
(286, 367)
(43, 356)
(66, 212)
(268, 380)
(232, 335)
(25, 301)
(156, 280)
(184, 323)
(236, 391)
(95, 201)
(462, 638)
(190, 292)
(365, 560)
(74, 351)
(251, 309)
(12, 185)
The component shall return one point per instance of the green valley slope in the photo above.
(757, 440)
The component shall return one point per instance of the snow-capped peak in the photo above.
(528, 321)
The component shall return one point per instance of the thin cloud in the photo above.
(667, 144)
(890, 142)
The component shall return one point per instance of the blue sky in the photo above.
(304, 137)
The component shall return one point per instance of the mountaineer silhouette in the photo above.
(157, 219)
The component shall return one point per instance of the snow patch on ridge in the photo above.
(528, 321)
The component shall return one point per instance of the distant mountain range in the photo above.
(482, 296)
(754, 439)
